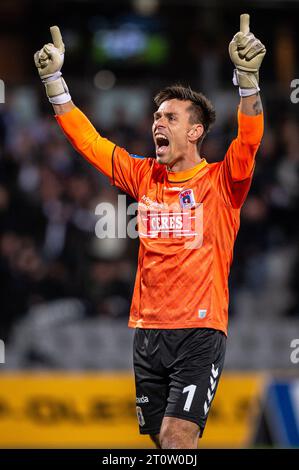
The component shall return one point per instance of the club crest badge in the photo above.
(140, 416)
(187, 200)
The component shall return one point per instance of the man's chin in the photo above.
(162, 159)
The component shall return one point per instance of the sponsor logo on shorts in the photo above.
(142, 399)
(140, 416)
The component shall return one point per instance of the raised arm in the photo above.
(116, 163)
(247, 53)
(234, 175)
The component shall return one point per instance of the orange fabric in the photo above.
(115, 162)
(181, 176)
(185, 250)
(86, 140)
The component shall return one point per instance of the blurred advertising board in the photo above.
(98, 410)
(235, 410)
(279, 423)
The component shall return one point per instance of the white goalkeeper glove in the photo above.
(49, 61)
(247, 53)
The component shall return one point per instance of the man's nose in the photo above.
(160, 122)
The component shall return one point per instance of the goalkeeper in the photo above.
(180, 303)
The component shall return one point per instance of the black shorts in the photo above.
(176, 374)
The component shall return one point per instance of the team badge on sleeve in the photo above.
(187, 200)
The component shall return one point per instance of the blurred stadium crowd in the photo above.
(48, 195)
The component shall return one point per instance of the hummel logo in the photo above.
(213, 382)
(206, 407)
(210, 395)
(214, 372)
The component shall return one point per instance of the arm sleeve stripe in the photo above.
(133, 155)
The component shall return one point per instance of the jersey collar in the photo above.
(181, 176)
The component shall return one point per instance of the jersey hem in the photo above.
(171, 326)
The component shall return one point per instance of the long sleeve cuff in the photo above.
(250, 128)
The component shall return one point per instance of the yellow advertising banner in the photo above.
(98, 410)
(234, 412)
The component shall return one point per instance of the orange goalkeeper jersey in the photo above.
(187, 221)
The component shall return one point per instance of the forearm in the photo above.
(251, 105)
(250, 127)
(240, 156)
(60, 109)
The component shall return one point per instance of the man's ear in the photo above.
(195, 132)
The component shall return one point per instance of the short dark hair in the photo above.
(201, 109)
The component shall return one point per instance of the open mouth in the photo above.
(162, 144)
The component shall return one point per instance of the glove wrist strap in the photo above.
(247, 82)
(56, 89)
(248, 91)
(51, 77)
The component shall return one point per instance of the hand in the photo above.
(49, 61)
(247, 53)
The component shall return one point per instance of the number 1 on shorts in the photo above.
(191, 390)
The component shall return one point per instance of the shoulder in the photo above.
(155, 168)
(214, 167)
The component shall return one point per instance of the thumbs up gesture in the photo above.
(49, 61)
(247, 53)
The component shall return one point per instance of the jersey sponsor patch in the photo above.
(187, 200)
(167, 224)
